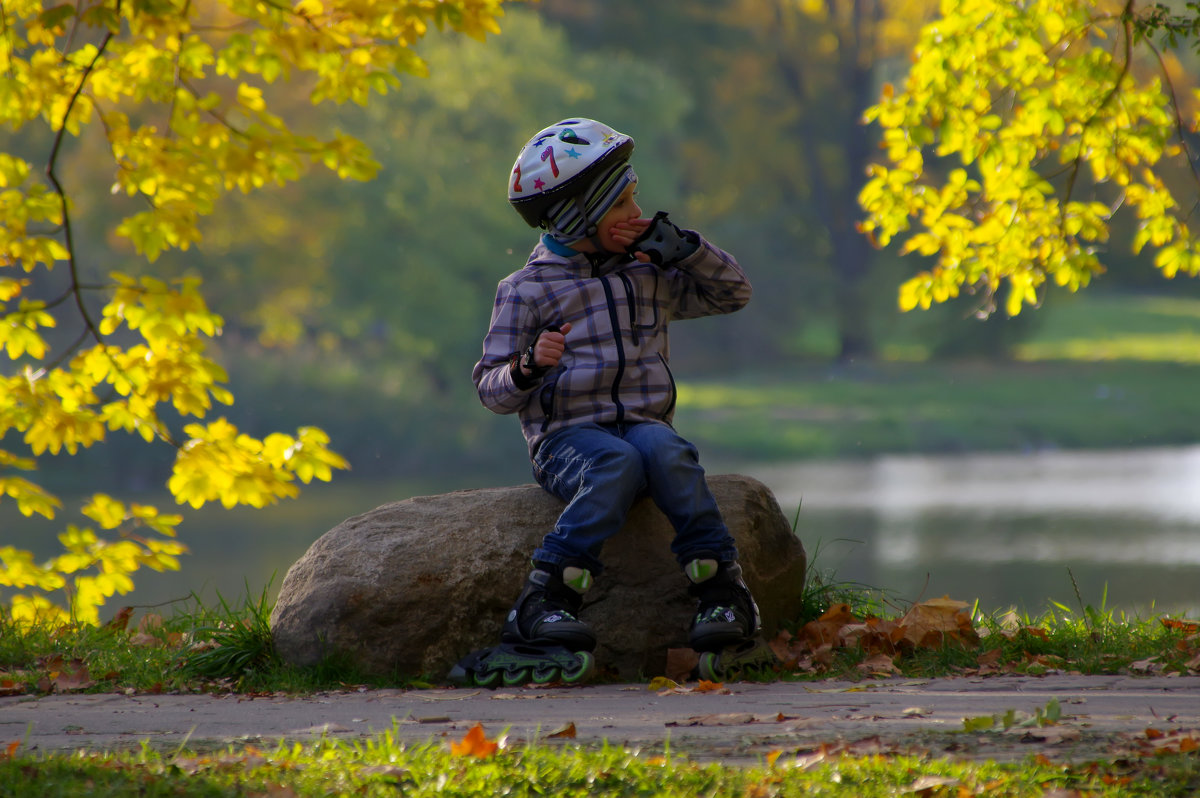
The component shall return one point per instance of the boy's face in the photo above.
(621, 225)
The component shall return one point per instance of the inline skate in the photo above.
(726, 627)
(542, 640)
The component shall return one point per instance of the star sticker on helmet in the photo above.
(572, 153)
(539, 184)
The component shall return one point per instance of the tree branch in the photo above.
(51, 164)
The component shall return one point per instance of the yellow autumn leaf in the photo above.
(203, 127)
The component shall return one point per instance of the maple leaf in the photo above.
(474, 743)
(879, 665)
(826, 630)
(65, 675)
(10, 685)
(935, 622)
(567, 732)
(120, 621)
(1188, 627)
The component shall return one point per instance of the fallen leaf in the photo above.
(323, 728)
(823, 656)
(150, 622)
(65, 675)
(120, 621)
(1051, 735)
(1188, 627)
(989, 658)
(721, 719)
(878, 665)
(662, 683)
(474, 743)
(933, 623)
(930, 784)
(11, 687)
(1148, 665)
(978, 723)
(1180, 741)
(567, 732)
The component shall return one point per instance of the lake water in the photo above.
(1017, 531)
(1022, 531)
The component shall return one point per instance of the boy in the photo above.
(577, 347)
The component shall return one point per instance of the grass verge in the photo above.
(382, 766)
(845, 631)
(820, 411)
(227, 648)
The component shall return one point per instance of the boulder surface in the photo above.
(410, 587)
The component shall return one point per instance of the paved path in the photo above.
(1099, 714)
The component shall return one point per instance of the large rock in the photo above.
(410, 587)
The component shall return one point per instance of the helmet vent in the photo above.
(571, 137)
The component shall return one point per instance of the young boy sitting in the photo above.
(577, 347)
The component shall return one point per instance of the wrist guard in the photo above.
(525, 360)
(664, 242)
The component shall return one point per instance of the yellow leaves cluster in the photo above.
(1013, 92)
(61, 408)
(181, 94)
(200, 69)
(218, 463)
(90, 570)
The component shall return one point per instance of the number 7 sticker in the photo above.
(549, 153)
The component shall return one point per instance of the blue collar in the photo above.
(557, 247)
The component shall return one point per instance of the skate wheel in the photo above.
(514, 678)
(586, 663)
(544, 674)
(710, 666)
(486, 679)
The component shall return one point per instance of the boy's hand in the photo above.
(663, 243)
(548, 349)
(627, 232)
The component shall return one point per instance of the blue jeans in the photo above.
(600, 470)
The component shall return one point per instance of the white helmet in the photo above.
(578, 159)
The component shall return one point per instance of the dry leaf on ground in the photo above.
(474, 743)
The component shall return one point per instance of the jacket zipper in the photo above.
(614, 319)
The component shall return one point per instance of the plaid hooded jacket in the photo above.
(615, 367)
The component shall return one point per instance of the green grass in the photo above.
(230, 648)
(1096, 372)
(196, 649)
(381, 766)
(941, 407)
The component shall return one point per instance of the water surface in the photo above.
(1017, 531)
